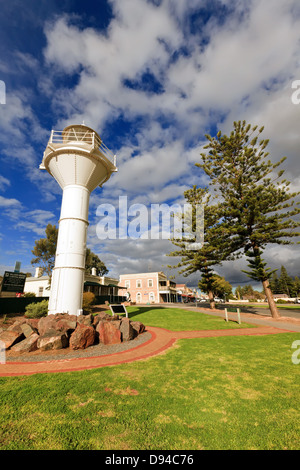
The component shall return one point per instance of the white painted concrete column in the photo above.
(68, 273)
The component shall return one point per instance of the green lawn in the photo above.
(208, 393)
(177, 319)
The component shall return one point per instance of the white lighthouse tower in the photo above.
(79, 161)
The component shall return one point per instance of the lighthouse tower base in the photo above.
(68, 273)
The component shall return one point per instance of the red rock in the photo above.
(66, 324)
(59, 322)
(27, 345)
(108, 333)
(45, 323)
(33, 322)
(100, 316)
(10, 337)
(82, 337)
(114, 317)
(138, 327)
(27, 329)
(85, 319)
(128, 333)
(116, 323)
(16, 326)
(52, 340)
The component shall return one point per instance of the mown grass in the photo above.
(208, 393)
(177, 319)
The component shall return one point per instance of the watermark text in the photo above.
(2, 92)
(159, 221)
(296, 95)
(296, 354)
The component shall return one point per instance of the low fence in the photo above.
(233, 310)
(9, 305)
(112, 299)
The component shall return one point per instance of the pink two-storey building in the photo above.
(153, 288)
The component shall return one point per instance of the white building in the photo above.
(105, 287)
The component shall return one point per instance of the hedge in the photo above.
(10, 305)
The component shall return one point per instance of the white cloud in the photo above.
(10, 203)
(242, 57)
(4, 183)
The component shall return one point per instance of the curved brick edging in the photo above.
(161, 340)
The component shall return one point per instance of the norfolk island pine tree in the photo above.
(257, 206)
(213, 251)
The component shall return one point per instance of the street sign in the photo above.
(13, 282)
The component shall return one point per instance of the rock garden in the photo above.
(62, 331)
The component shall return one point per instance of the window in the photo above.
(127, 284)
(138, 297)
(138, 283)
(151, 297)
(41, 290)
(150, 282)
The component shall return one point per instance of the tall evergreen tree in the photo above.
(286, 283)
(219, 286)
(213, 251)
(297, 286)
(258, 207)
(274, 283)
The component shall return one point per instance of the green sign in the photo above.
(13, 282)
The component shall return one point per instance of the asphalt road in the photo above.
(284, 312)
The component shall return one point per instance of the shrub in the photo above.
(37, 310)
(88, 299)
(29, 294)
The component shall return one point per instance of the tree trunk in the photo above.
(212, 304)
(270, 299)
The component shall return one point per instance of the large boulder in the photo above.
(114, 317)
(10, 337)
(28, 330)
(28, 344)
(100, 316)
(128, 332)
(33, 322)
(108, 332)
(138, 326)
(82, 337)
(17, 326)
(60, 322)
(52, 340)
(85, 319)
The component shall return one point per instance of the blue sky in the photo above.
(151, 77)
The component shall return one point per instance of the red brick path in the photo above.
(160, 341)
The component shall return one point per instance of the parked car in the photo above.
(297, 301)
(217, 299)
